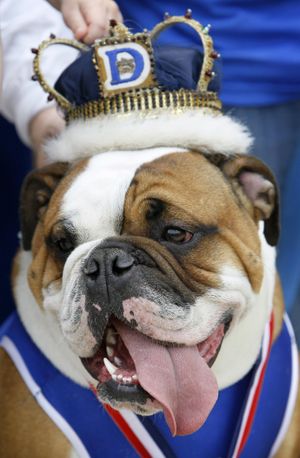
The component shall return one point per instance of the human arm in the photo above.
(24, 24)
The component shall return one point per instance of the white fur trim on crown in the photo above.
(198, 130)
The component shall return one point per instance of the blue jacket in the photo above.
(258, 40)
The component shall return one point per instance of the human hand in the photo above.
(46, 124)
(88, 19)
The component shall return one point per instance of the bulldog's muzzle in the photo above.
(113, 272)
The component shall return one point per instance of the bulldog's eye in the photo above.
(177, 235)
(62, 239)
(64, 245)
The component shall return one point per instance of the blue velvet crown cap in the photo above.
(151, 95)
(132, 73)
(175, 68)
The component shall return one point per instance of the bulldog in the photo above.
(148, 275)
(147, 269)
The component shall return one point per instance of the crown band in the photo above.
(145, 100)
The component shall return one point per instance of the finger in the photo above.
(113, 12)
(117, 15)
(80, 33)
(75, 20)
(44, 125)
(97, 16)
(39, 159)
(95, 31)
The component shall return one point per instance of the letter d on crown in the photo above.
(123, 66)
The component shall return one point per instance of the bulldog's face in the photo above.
(149, 260)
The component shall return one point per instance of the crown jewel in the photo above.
(124, 73)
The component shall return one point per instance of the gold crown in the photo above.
(121, 55)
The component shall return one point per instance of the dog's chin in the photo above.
(114, 369)
(130, 396)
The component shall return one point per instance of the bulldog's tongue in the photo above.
(178, 378)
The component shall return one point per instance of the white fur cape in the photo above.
(200, 130)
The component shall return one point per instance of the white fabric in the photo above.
(23, 25)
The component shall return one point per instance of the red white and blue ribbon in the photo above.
(255, 390)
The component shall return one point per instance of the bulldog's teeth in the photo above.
(110, 351)
(110, 337)
(109, 366)
(123, 379)
(118, 361)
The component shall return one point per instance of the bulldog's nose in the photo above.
(91, 268)
(106, 261)
(122, 263)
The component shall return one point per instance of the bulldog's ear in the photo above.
(259, 185)
(36, 192)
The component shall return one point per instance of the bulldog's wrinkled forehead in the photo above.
(94, 202)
